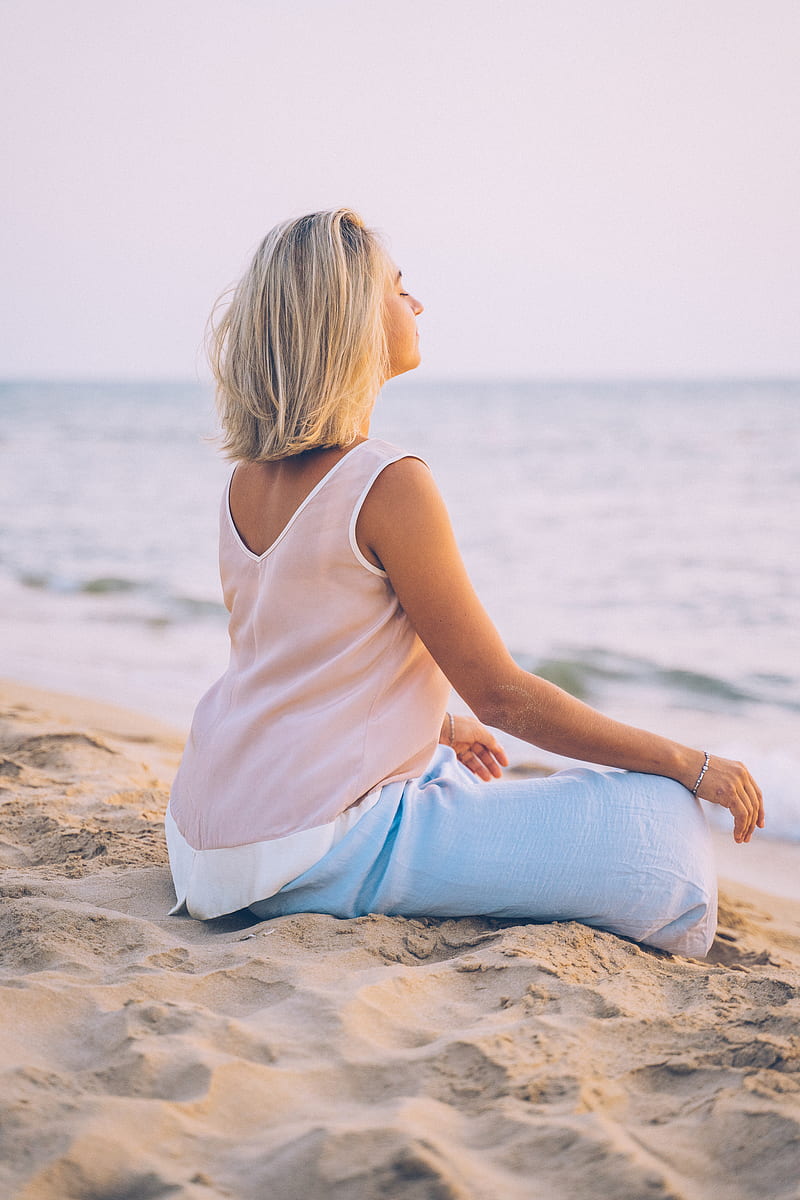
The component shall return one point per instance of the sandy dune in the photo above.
(146, 1056)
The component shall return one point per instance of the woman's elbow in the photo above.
(513, 702)
(496, 704)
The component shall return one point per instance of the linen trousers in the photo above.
(617, 850)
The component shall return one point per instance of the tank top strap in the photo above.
(367, 469)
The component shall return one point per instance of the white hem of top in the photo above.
(211, 883)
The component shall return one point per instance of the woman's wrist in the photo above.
(689, 766)
(447, 734)
(699, 781)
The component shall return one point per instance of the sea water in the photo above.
(635, 542)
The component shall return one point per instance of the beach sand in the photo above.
(147, 1056)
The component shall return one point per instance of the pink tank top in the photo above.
(328, 693)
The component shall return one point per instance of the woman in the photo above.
(322, 772)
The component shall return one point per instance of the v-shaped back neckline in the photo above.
(304, 503)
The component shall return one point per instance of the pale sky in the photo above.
(573, 187)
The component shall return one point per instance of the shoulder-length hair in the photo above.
(299, 354)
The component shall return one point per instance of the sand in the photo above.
(148, 1056)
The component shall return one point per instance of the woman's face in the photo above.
(400, 312)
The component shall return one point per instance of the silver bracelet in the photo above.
(702, 773)
(452, 729)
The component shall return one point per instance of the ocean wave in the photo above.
(96, 586)
(588, 672)
(159, 605)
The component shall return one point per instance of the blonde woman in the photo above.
(323, 772)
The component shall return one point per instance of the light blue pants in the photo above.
(625, 852)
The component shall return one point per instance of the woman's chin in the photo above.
(414, 359)
(409, 364)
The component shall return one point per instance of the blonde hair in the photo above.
(299, 354)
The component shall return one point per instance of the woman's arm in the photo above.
(404, 525)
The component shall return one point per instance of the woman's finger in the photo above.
(739, 819)
(498, 752)
(756, 803)
(755, 792)
(746, 815)
(489, 759)
(481, 760)
(471, 761)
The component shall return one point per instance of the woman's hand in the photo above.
(731, 785)
(475, 746)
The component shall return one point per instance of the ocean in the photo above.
(635, 542)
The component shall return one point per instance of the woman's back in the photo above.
(329, 692)
(264, 496)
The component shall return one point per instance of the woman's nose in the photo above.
(417, 306)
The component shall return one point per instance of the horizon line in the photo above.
(543, 378)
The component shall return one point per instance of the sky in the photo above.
(573, 188)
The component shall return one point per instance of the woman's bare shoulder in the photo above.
(408, 475)
(401, 496)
